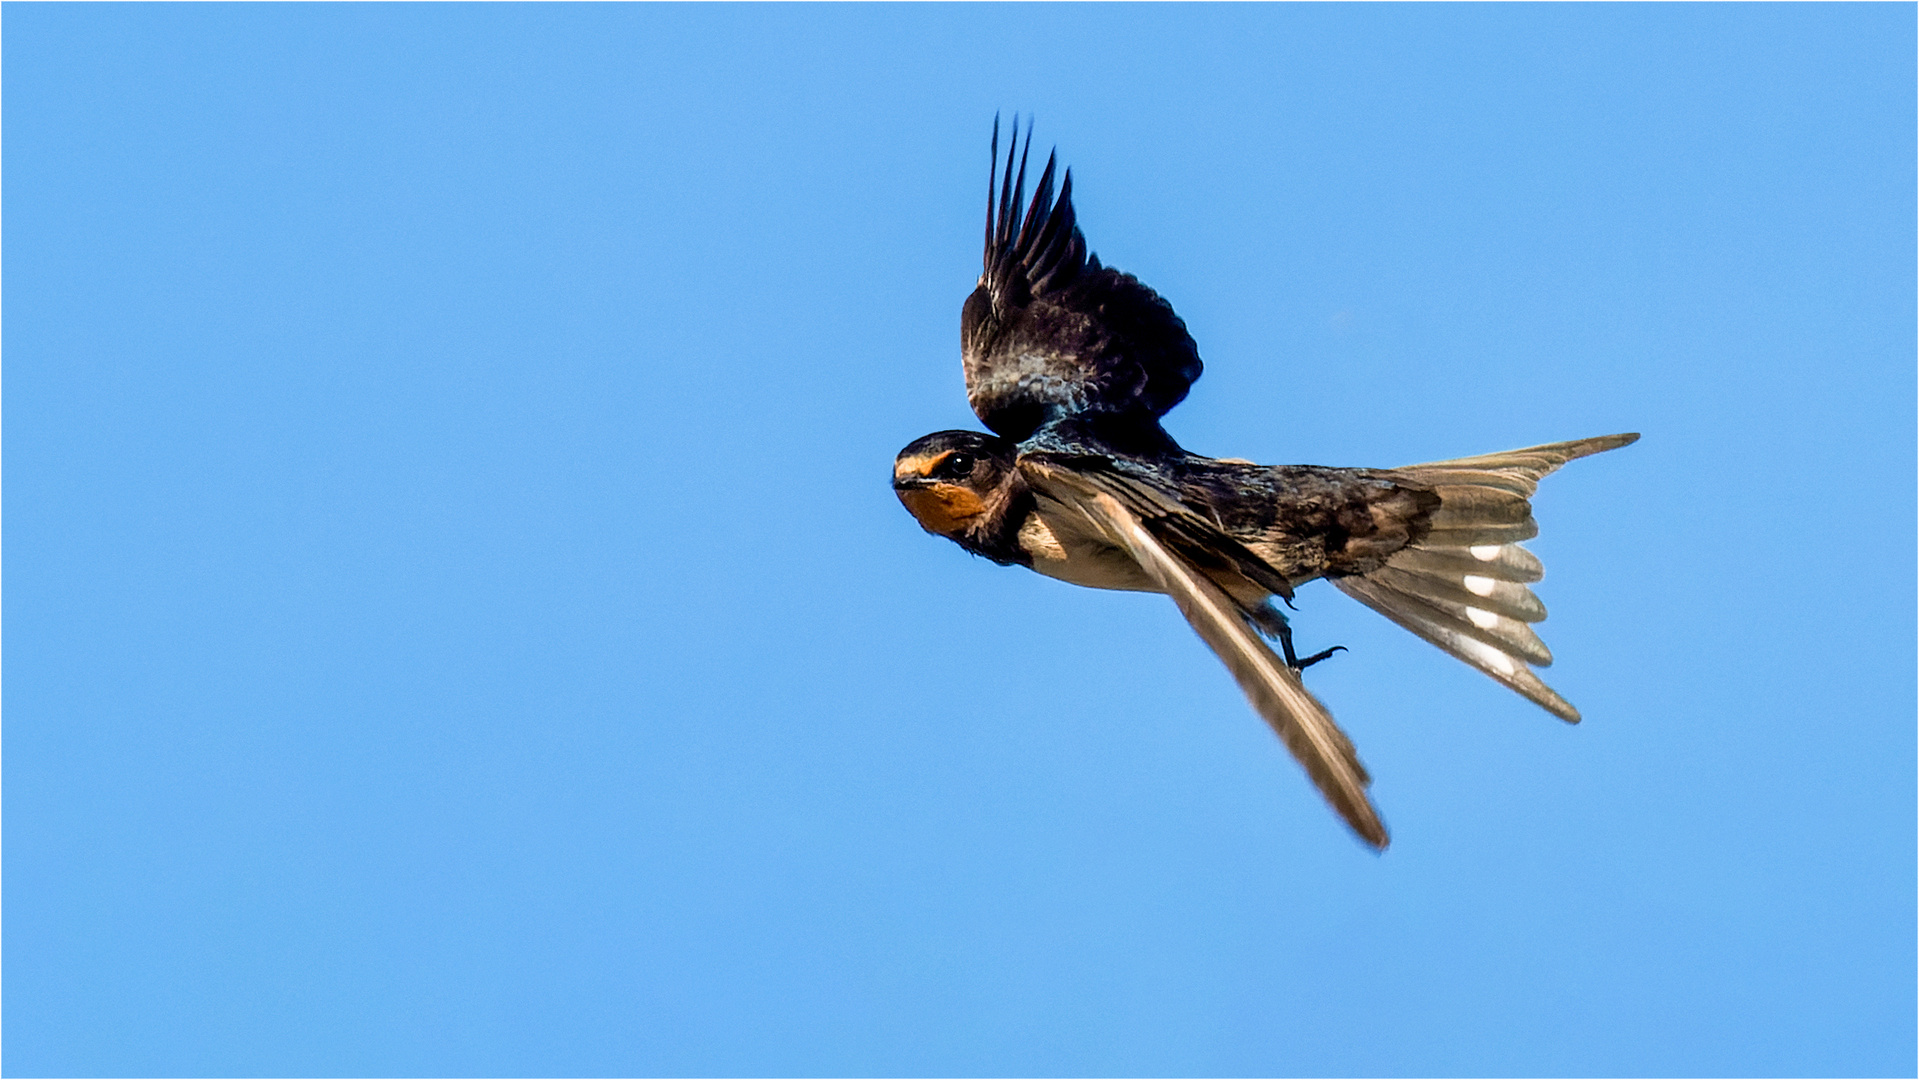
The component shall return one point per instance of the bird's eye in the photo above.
(957, 465)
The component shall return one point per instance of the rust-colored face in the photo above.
(944, 509)
(941, 507)
(958, 484)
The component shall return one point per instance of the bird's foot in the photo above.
(1302, 665)
(1286, 646)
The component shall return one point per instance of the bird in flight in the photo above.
(1070, 365)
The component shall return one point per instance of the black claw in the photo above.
(1315, 658)
(1293, 661)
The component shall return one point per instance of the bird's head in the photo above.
(954, 482)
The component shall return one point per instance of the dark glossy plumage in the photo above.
(1049, 332)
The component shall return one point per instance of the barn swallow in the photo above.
(1071, 364)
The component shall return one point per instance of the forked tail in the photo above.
(1462, 586)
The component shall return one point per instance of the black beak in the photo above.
(911, 483)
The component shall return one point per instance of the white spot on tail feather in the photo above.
(1485, 620)
(1480, 586)
(1486, 552)
(1493, 658)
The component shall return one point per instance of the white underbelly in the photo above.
(1064, 547)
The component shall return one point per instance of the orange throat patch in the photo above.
(943, 509)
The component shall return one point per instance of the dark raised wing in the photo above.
(1050, 332)
(1274, 689)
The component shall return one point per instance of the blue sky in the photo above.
(457, 621)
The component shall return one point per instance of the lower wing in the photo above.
(1274, 689)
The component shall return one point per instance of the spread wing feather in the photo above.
(1049, 332)
(1274, 689)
